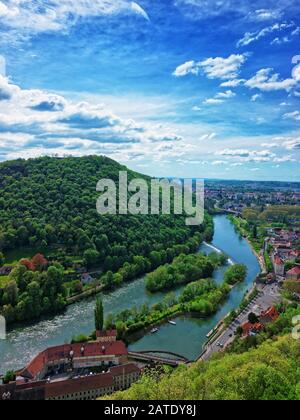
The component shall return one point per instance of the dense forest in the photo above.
(48, 205)
(252, 370)
(50, 202)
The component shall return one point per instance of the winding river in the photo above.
(186, 338)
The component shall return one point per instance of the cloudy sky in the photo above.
(201, 88)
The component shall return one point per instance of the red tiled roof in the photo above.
(116, 348)
(72, 386)
(278, 261)
(270, 313)
(294, 271)
(248, 328)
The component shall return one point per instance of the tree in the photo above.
(28, 264)
(39, 262)
(2, 259)
(10, 376)
(11, 293)
(254, 233)
(239, 331)
(99, 315)
(91, 257)
(253, 318)
(235, 274)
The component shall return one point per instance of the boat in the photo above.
(154, 330)
(172, 322)
(210, 334)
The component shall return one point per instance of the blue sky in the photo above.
(171, 88)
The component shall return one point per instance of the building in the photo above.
(83, 371)
(86, 279)
(278, 266)
(251, 329)
(268, 316)
(293, 274)
(75, 356)
(86, 388)
(78, 388)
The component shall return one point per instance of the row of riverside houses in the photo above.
(75, 372)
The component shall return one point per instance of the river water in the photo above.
(186, 338)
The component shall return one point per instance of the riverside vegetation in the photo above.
(201, 297)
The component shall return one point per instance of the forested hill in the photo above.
(51, 202)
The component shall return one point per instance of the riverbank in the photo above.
(245, 235)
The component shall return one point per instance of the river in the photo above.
(186, 338)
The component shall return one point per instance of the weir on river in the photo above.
(186, 337)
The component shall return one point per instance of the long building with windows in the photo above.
(75, 372)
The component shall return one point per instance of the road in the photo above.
(268, 296)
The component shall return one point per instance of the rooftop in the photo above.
(116, 348)
(294, 271)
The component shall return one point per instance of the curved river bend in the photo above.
(186, 338)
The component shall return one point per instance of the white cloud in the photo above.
(269, 145)
(34, 16)
(36, 122)
(214, 68)
(287, 38)
(190, 67)
(251, 37)
(259, 9)
(219, 162)
(226, 95)
(292, 144)
(265, 80)
(237, 164)
(233, 83)
(296, 73)
(219, 98)
(292, 115)
(213, 101)
(284, 159)
(206, 137)
(248, 155)
(223, 68)
(256, 97)
(265, 14)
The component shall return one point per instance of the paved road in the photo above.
(268, 296)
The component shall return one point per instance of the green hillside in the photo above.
(270, 372)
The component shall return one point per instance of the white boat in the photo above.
(172, 322)
(154, 330)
